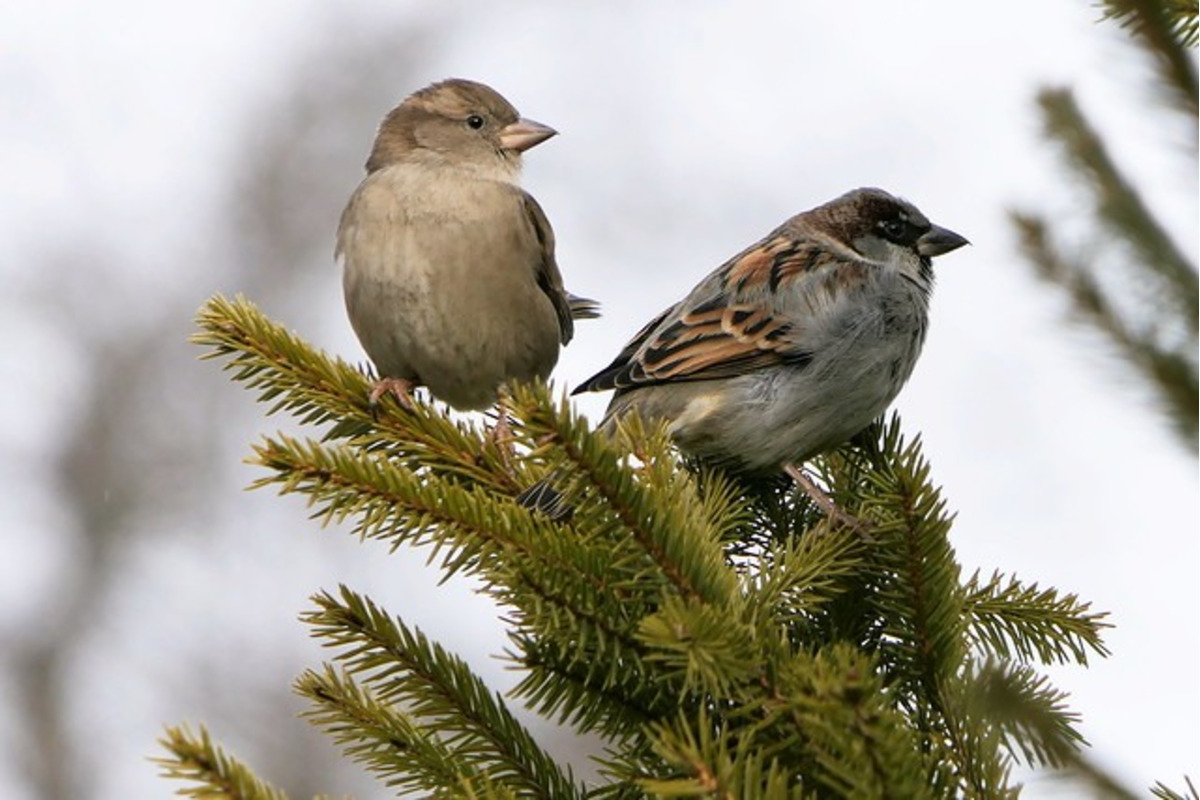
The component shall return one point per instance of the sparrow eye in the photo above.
(898, 230)
(475, 121)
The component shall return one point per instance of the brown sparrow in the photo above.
(792, 346)
(450, 278)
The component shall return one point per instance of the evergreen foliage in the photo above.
(724, 640)
(195, 759)
(1128, 279)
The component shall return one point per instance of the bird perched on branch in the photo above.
(792, 346)
(449, 271)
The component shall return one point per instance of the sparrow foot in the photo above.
(823, 500)
(501, 435)
(401, 389)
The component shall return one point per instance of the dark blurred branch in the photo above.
(118, 460)
(1167, 30)
(1164, 792)
(48, 754)
(144, 442)
(1171, 374)
(1151, 313)
(1119, 207)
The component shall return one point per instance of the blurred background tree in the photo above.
(1127, 279)
(140, 462)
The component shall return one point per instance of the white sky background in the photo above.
(688, 131)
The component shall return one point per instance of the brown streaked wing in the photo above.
(731, 331)
(771, 262)
(713, 340)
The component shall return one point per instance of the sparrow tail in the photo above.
(583, 307)
(543, 498)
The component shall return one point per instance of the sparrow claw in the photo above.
(823, 501)
(401, 389)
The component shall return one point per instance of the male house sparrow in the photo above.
(792, 346)
(450, 278)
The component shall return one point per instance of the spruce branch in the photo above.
(415, 478)
(706, 649)
(1031, 714)
(389, 501)
(1164, 792)
(792, 582)
(1167, 30)
(388, 742)
(1171, 373)
(919, 600)
(278, 363)
(969, 753)
(556, 587)
(196, 759)
(721, 641)
(913, 609)
(830, 720)
(316, 390)
(859, 739)
(616, 700)
(1119, 206)
(1010, 620)
(650, 505)
(704, 759)
(401, 668)
(1152, 315)
(1088, 299)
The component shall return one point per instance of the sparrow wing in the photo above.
(549, 279)
(748, 315)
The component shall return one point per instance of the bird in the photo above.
(449, 270)
(791, 347)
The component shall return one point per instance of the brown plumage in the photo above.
(793, 345)
(450, 274)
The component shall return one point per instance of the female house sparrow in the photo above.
(450, 279)
(792, 346)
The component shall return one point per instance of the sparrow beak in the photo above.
(939, 241)
(524, 134)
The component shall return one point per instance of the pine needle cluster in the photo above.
(723, 640)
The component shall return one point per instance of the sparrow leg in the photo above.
(401, 389)
(818, 495)
(502, 434)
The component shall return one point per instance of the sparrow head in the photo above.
(886, 229)
(458, 122)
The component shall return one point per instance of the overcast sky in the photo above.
(689, 130)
